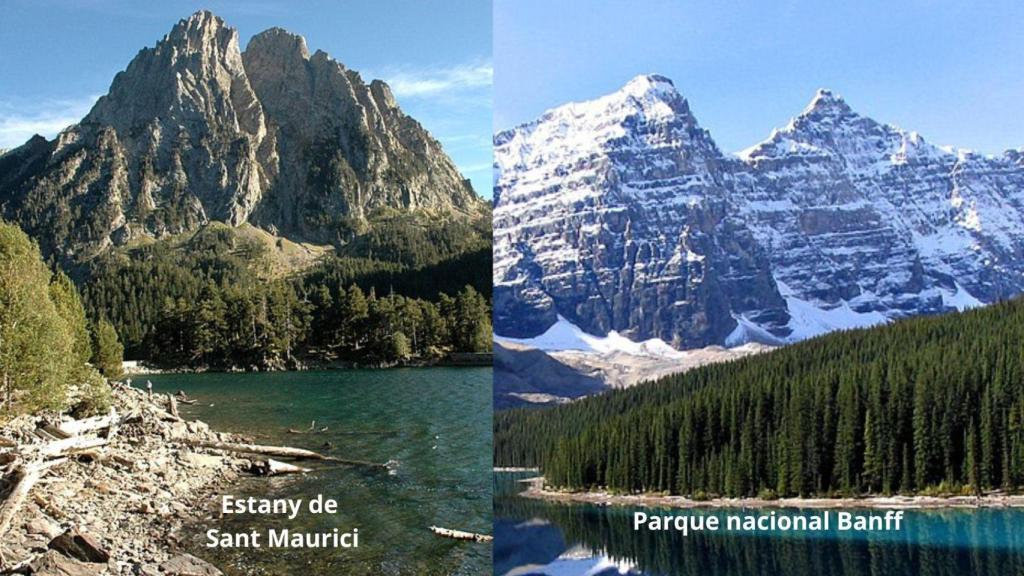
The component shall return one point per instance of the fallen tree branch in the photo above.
(26, 474)
(460, 535)
(77, 427)
(283, 452)
(280, 451)
(312, 429)
(65, 446)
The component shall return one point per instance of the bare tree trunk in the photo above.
(27, 475)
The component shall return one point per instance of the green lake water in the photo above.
(435, 423)
(558, 539)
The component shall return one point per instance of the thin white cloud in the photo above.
(432, 82)
(479, 167)
(18, 123)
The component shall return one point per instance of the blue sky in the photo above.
(952, 70)
(58, 56)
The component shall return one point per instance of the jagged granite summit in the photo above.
(622, 214)
(194, 130)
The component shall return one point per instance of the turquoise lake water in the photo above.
(536, 537)
(434, 422)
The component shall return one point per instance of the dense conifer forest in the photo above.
(212, 302)
(925, 405)
(51, 356)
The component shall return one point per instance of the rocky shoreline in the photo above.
(450, 360)
(537, 490)
(112, 493)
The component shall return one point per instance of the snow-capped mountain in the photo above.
(615, 214)
(621, 214)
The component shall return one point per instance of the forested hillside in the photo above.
(927, 404)
(214, 300)
(51, 358)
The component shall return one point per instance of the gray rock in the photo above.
(43, 526)
(55, 564)
(195, 131)
(80, 546)
(345, 147)
(622, 214)
(519, 372)
(189, 565)
(625, 228)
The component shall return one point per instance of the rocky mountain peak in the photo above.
(194, 71)
(194, 131)
(828, 127)
(279, 44)
(1015, 156)
(653, 97)
(610, 214)
(200, 31)
(648, 107)
(382, 94)
(618, 222)
(825, 111)
(650, 86)
(825, 100)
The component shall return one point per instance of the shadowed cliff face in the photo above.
(614, 213)
(346, 149)
(193, 131)
(622, 214)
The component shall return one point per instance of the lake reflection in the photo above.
(535, 537)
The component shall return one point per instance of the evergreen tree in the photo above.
(108, 353)
(35, 343)
(355, 312)
(924, 404)
(472, 321)
(399, 347)
(69, 305)
(40, 329)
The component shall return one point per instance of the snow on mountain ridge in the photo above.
(619, 216)
(588, 126)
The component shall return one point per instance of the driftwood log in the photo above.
(172, 406)
(283, 452)
(279, 451)
(271, 467)
(460, 535)
(65, 447)
(25, 475)
(28, 463)
(77, 427)
(183, 398)
(311, 430)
